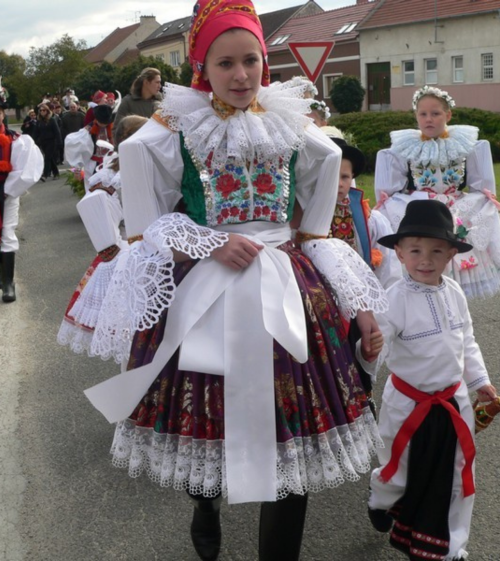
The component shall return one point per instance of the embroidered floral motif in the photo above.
(343, 225)
(428, 176)
(466, 264)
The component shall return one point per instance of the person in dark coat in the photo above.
(48, 138)
(29, 124)
(72, 120)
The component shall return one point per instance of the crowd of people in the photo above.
(251, 295)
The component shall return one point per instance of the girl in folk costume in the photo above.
(82, 149)
(423, 492)
(241, 382)
(21, 165)
(101, 213)
(439, 162)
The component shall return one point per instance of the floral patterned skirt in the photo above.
(326, 433)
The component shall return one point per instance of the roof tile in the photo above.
(397, 12)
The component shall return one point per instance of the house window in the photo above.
(487, 66)
(280, 40)
(175, 59)
(347, 28)
(458, 68)
(431, 72)
(408, 73)
(328, 80)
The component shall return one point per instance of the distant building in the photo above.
(120, 46)
(169, 42)
(339, 25)
(452, 44)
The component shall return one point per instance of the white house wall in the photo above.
(469, 37)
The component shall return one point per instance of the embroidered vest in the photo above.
(213, 197)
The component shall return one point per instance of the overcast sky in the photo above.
(33, 23)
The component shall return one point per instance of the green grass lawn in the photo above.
(365, 182)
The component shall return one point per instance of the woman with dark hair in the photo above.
(48, 138)
(144, 97)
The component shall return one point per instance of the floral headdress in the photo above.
(435, 92)
(322, 107)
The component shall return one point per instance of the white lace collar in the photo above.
(458, 144)
(273, 130)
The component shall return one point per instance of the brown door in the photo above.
(379, 86)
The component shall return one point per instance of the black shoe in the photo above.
(8, 286)
(42, 179)
(206, 532)
(380, 519)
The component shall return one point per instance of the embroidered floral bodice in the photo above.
(238, 191)
(238, 165)
(437, 164)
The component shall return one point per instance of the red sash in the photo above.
(415, 419)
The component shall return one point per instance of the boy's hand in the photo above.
(376, 345)
(487, 393)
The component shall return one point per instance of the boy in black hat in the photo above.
(424, 492)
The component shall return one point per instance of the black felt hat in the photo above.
(103, 114)
(426, 219)
(351, 153)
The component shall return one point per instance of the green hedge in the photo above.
(371, 130)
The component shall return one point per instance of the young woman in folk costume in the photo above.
(438, 161)
(241, 382)
(102, 214)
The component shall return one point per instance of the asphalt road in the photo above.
(60, 497)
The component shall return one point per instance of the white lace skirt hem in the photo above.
(305, 464)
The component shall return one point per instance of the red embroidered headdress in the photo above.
(210, 19)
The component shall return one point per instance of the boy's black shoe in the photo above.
(380, 519)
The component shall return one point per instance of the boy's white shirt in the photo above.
(428, 337)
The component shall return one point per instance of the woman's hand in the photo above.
(486, 393)
(372, 340)
(237, 253)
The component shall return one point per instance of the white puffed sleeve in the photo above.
(479, 168)
(390, 269)
(317, 176)
(78, 148)
(101, 215)
(27, 166)
(151, 169)
(391, 173)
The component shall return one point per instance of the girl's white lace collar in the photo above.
(458, 144)
(267, 133)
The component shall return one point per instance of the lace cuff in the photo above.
(143, 287)
(177, 231)
(354, 284)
